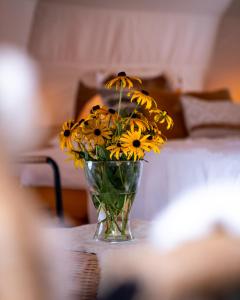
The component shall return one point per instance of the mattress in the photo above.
(182, 165)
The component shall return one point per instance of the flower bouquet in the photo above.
(110, 145)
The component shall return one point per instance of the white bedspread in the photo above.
(182, 164)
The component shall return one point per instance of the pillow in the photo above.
(159, 82)
(84, 112)
(110, 98)
(211, 119)
(84, 94)
(216, 95)
(170, 101)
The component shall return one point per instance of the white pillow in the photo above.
(211, 119)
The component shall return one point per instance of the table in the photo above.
(87, 255)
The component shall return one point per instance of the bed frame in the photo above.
(73, 209)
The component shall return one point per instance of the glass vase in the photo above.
(113, 186)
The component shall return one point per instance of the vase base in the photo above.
(114, 240)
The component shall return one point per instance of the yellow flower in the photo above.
(116, 150)
(66, 135)
(96, 131)
(142, 97)
(77, 159)
(109, 115)
(97, 109)
(135, 144)
(139, 120)
(156, 141)
(161, 117)
(122, 81)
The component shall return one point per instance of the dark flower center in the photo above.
(121, 74)
(97, 132)
(111, 111)
(66, 133)
(86, 123)
(96, 107)
(134, 116)
(118, 145)
(81, 154)
(136, 143)
(145, 92)
(150, 138)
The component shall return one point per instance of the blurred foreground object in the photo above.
(33, 265)
(198, 213)
(194, 250)
(20, 107)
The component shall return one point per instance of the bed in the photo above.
(182, 164)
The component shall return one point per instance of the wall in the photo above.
(15, 21)
(77, 37)
(224, 68)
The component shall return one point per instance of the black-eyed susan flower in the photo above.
(161, 116)
(137, 119)
(143, 98)
(66, 135)
(116, 150)
(109, 115)
(94, 109)
(77, 157)
(112, 118)
(106, 132)
(122, 81)
(97, 132)
(156, 141)
(135, 144)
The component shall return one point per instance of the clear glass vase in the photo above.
(113, 186)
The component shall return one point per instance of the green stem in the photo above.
(132, 114)
(119, 106)
(96, 152)
(120, 98)
(125, 221)
(116, 223)
(120, 173)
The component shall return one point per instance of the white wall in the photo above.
(70, 39)
(224, 69)
(15, 21)
(210, 7)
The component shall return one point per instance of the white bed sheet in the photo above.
(182, 165)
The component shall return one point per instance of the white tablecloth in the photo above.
(81, 238)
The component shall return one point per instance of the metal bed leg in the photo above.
(58, 189)
(57, 179)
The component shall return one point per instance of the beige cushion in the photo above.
(84, 112)
(170, 101)
(211, 119)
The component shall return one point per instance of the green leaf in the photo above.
(102, 153)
